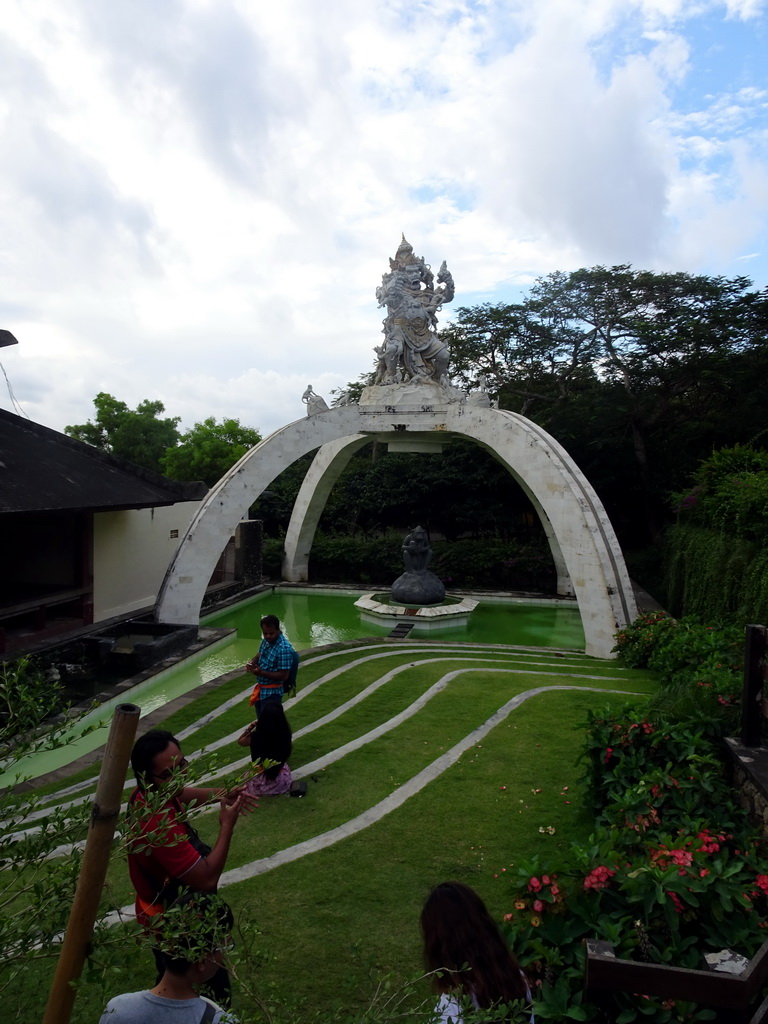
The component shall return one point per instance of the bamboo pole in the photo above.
(93, 869)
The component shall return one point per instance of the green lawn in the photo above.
(323, 929)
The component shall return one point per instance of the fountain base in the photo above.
(454, 611)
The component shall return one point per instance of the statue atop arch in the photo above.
(412, 349)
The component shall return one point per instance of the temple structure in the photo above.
(412, 406)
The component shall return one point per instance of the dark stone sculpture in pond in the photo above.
(417, 585)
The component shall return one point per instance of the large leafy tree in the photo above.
(208, 449)
(638, 374)
(463, 491)
(139, 435)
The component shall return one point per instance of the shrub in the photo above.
(715, 561)
(679, 649)
(699, 667)
(715, 575)
(637, 642)
(378, 561)
(27, 698)
(494, 564)
(673, 869)
(730, 493)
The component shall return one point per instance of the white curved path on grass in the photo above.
(567, 668)
(510, 661)
(395, 799)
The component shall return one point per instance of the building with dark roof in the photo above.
(84, 535)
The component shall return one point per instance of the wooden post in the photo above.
(754, 662)
(93, 870)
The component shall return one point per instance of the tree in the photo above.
(208, 449)
(645, 365)
(138, 435)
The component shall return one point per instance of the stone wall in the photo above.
(750, 779)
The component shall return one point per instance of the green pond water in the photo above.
(309, 619)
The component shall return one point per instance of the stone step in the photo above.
(401, 630)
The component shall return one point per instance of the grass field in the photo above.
(424, 761)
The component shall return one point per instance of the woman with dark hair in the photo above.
(464, 951)
(269, 738)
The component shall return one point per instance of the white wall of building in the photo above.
(131, 552)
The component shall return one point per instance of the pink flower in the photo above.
(538, 906)
(534, 885)
(676, 901)
(545, 879)
(681, 857)
(598, 878)
(705, 871)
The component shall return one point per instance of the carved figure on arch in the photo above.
(315, 403)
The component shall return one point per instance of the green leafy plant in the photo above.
(674, 868)
(27, 698)
(637, 642)
(699, 667)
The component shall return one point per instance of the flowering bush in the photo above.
(680, 649)
(637, 642)
(672, 871)
(699, 668)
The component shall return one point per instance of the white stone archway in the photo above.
(326, 468)
(590, 561)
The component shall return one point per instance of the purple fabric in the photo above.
(260, 785)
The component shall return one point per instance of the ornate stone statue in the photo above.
(412, 349)
(417, 585)
(315, 403)
(417, 554)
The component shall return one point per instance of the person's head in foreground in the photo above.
(193, 935)
(464, 949)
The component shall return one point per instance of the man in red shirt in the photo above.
(166, 857)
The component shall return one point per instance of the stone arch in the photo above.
(326, 468)
(570, 509)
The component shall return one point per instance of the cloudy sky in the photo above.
(199, 197)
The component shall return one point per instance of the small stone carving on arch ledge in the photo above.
(315, 403)
(481, 398)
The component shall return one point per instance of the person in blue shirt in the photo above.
(272, 665)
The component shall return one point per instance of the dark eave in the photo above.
(42, 470)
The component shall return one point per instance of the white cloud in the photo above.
(198, 199)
